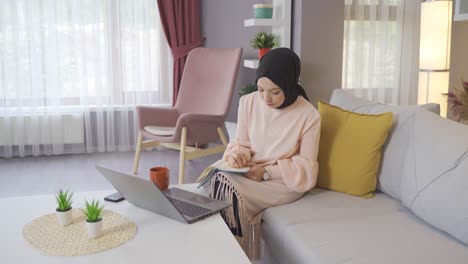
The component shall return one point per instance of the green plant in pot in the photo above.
(93, 212)
(64, 207)
(264, 42)
(248, 88)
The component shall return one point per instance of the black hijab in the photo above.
(283, 67)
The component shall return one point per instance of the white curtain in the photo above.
(381, 49)
(72, 71)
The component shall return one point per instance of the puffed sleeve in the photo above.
(299, 172)
(242, 131)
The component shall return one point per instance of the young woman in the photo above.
(277, 136)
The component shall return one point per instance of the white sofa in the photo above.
(419, 214)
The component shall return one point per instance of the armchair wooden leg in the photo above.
(183, 143)
(222, 136)
(137, 153)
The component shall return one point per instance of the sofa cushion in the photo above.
(331, 227)
(350, 149)
(394, 151)
(435, 180)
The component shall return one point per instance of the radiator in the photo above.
(42, 129)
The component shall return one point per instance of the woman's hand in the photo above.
(238, 154)
(237, 160)
(255, 173)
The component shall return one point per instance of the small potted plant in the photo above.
(93, 218)
(248, 88)
(64, 207)
(264, 42)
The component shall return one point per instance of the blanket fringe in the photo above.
(251, 231)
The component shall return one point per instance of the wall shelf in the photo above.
(280, 25)
(252, 22)
(253, 64)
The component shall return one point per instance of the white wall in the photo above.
(321, 47)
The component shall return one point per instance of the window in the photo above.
(371, 43)
(69, 53)
(380, 49)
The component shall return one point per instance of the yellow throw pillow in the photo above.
(350, 149)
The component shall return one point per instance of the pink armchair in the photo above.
(198, 116)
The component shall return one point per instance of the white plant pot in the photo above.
(64, 218)
(94, 229)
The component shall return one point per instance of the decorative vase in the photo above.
(94, 229)
(64, 217)
(262, 52)
(263, 10)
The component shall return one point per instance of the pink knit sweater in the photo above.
(285, 141)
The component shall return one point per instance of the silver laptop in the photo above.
(175, 203)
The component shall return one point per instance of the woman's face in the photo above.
(271, 94)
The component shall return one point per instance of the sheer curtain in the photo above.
(71, 73)
(381, 49)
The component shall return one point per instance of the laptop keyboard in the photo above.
(188, 209)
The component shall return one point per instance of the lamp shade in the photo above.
(436, 20)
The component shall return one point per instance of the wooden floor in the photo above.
(46, 174)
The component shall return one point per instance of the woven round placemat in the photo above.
(47, 235)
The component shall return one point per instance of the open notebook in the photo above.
(219, 165)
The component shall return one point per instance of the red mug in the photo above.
(160, 177)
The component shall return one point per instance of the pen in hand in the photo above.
(239, 153)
